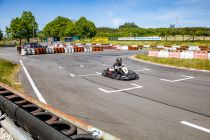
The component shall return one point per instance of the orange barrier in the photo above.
(93, 49)
(201, 55)
(75, 48)
(44, 50)
(79, 49)
(41, 50)
(174, 55)
(37, 51)
(101, 48)
(130, 48)
(55, 50)
(153, 53)
(203, 48)
(62, 50)
(82, 49)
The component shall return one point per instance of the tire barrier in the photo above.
(153, 53)
(201, 55)
(89, 47)
(19, 49)
(17, 100)
(186, 54)
(97, 49)
(45, 117)
(63, 127)
(23, 52)
(31, 108)
(180, 54)
(163, 53)
(39, 123)
(194, 48)
(204, 48)
(173, 54)
(83, 137)
(132, 48)
(209, 55)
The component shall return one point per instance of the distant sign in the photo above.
(147, 38)
(125, 38)
(138, 38)
(101, 39)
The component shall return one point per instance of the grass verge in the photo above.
(188, 63)
(8, 74)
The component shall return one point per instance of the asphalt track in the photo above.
(164, 104)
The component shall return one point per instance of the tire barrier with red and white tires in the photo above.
(41, 124)
(180, 54)
(53, 50)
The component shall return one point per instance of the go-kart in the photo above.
(121, 73)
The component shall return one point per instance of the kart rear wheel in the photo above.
(137, 76)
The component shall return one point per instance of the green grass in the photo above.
(8, 73)
(189, 63)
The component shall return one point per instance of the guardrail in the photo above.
(45, 122)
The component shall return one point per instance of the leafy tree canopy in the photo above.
(59, 27)
(84, 28)
(128, 25)
(1, 35)
(22, 27)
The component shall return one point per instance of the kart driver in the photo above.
(118, 64)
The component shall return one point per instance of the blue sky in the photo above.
(112, 13)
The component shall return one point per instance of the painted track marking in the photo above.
(187, 77)
(72, 75)
(125, 89)
(97, 73)
(144, 69)
(33, 84)
(195, 126)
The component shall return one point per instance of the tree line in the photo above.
(132, 32)
(26, 27)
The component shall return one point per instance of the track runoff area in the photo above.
(165, 103)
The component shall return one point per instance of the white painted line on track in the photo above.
(60, 67)
(144, 69)
(81, 66)
(97, 73)
(72, 75)
(125, 89)
(195, 126)
(187, 77)
(107, 65)
(33, 84)
(5, 54)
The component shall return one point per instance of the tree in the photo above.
(69, 29)
(128, 25)
(16, 29)
(23, 27)
(29, 24)
(84, 28)
(1, 35)
(40, 35)
(59, 27)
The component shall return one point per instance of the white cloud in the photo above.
(116, 21)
